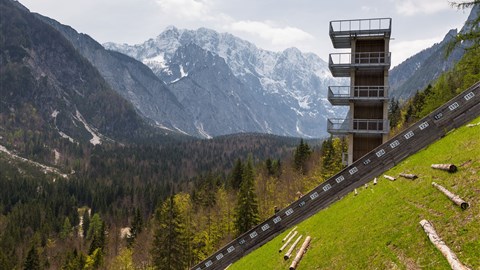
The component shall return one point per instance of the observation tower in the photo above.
(366, 125)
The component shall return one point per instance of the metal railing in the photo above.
(375, 26)
(360, 58)
(342, 126)
(359, 92)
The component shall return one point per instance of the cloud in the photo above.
(369, 9)
(277, 36)
(188, 9)
(413, 7)
(405, 49)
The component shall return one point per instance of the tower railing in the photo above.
(349, 92)
(359, 58)
(342, 31)
(345, 126)
(374, 26)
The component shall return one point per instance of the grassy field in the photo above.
(379, 228)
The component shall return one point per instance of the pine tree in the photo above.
(98, 239)
(136, 228)
(394, 112)
(169, 243)
(67, 229)
(328, 153)
(95, 225)
(236, 176)
(302, 153)
(332, 150)
(32, 262)
(85, 223)
(246, 212)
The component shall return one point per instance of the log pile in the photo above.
(288, 235)
(300, 253)
(288, 241)
(290, 250)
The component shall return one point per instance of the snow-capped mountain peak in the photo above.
(291, 86)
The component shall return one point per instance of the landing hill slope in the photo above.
(379, 228)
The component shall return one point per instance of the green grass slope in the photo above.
(379, 228)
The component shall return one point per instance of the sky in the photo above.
(270, 24)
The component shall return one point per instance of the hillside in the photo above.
(379, 228)
(426, 66)
(51, 95)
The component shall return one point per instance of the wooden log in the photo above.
(288, 235)
(288, 241)
(409, 176)
(300, 253)
(391, 178)
(453, 197)
(290, 250)
(452, 259)
(375, 181)
(473, 125)
(445, 167)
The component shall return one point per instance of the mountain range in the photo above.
(199, 83)
(231, 86)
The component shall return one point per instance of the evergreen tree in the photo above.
(136, 228)
(302, 153)
(85, 223)
(98, 239)
(273, 167)
(32, 262)
(95, 225)
(169, 249)
(74, 261)
(67, 229)
(4, 261)
(332, 150)
(269, 166)
(394, 112)
(236, 176)
(246, 212)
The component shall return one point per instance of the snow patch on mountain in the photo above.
(157, 61)
(95, 137)
(45, 168)
(201, 130)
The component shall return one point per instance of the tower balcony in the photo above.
(343, 31)
(343, 95)
(338, 126)
(341, 64)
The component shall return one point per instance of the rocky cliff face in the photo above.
(281, 93)
(132, 80)
(49, 91)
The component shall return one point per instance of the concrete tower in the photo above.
(367, 65)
